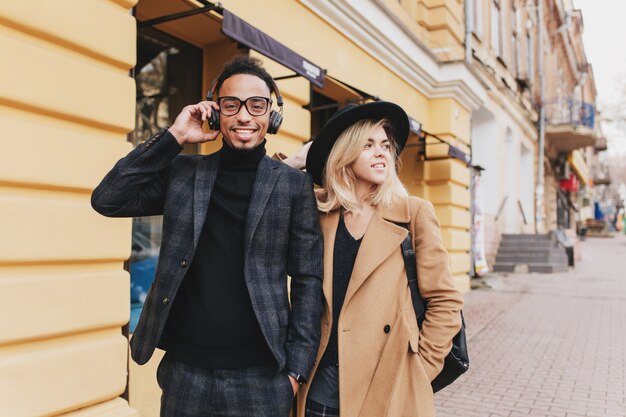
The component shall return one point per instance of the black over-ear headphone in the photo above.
(276, 118)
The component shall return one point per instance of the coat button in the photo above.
(166, 301)
(387, 328)
(183, 263)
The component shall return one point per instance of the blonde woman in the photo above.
(373, 358)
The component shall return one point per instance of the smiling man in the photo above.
(235, 224)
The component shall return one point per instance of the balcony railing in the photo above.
(567, 111)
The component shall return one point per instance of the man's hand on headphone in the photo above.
(187, 127)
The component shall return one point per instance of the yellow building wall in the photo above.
(445, 182)
(66, 104)
(439, 24)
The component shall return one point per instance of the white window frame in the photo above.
(496, 28)
(518, 44)
(530, 53)
(478, 18)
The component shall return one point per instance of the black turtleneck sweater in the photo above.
(212, 324)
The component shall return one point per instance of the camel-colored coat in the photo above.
(389, 374)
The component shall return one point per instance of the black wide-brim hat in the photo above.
(346, 117)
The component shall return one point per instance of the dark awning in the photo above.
(246, 34)
(455, 152)
(416, 127)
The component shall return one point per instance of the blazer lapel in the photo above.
(266, 176)
(206, 172)
(382, 238)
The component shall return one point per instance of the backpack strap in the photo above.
(410, 265)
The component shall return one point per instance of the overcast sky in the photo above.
(605, 39)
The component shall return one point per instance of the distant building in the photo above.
(572, 129)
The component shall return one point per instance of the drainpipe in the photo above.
(469, 27)
(539, 195)
(469, 19)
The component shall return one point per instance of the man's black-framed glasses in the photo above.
(256, 106)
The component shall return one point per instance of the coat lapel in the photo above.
(206, 172)
(328, 224)
(266, 176)
(382, 238)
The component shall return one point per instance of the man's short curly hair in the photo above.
(243, 64)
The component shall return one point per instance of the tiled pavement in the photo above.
(550, 345)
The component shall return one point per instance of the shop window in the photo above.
(562, 209)
(322, 108)
(168, 76)
(326, 101)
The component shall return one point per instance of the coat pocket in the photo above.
(414, 342)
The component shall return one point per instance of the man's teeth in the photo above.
(244, 133)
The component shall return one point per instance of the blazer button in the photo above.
(183, 263)
(166, 301)
(387, 328)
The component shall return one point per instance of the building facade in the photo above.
(571, 129)
(501, 39)
(530, 57)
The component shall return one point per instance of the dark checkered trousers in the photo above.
(314, 409)
(189, 391)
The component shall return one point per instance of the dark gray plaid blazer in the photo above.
(282, 237)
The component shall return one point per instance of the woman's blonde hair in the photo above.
(339, 179)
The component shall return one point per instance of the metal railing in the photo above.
(506, 197)
(567, 111)
(521, 210)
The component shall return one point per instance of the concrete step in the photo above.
(531, 251)
(557, 259)
(546, 245)
(525, 237)
(529, 267)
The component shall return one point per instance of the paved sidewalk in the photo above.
(550, 345)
